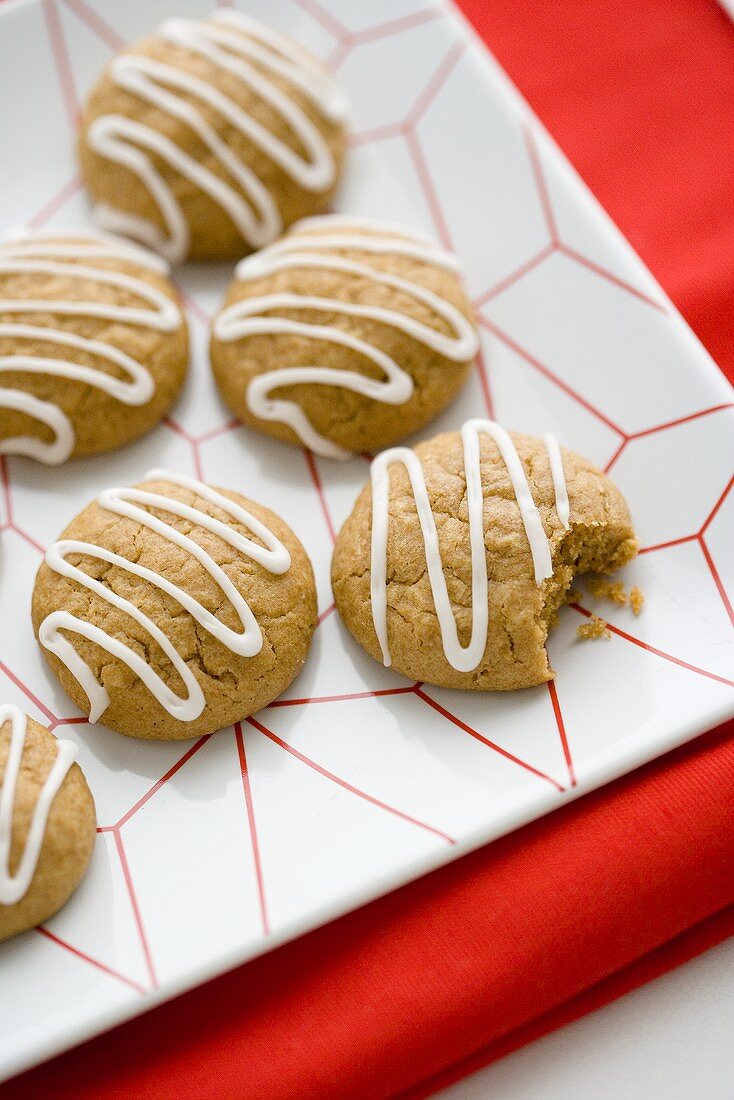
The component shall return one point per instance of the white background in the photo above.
(672, 1038)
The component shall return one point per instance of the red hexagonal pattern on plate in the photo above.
(354, 768)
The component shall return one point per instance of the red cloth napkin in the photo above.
(439, 976)
(571, 911)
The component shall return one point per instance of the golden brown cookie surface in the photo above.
(510, 650)
(209, 137)
(346, 335)
(185, 609)
(65, 829)
(93, 344)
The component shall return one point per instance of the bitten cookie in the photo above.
(172, 609)
(209, 137)
(459, 553)
(345, 335)
(93, 344)
(47, 822)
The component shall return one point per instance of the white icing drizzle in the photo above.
(54, 253)
(14, 887)
(320, 251)
(232, 42)
(462, 658)
(132, 504)
(555, 458)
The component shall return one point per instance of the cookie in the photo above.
(346, 335)
(47, 822)
(206, 139)
(93, 344)
(459, 553)
(172, 609)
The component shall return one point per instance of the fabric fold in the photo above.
(424, 978)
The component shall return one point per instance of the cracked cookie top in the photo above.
(172, 609)
(47, 822)
(208, 138)
(93, 343)
(459, 553)
(345, 335)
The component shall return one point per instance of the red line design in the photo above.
(426, 182)
(194, 307)
(515, 276)
(717, 579)
(558, 714)
(344, 42)
(542, 369)
(325, 19)
(96, 24)
(325, 614)
(57, 200)
(699, 537)
(178, 429)
(658, 652)
(26, 537)
(348, 786)
(341, 698)
(557, 245)
(92, 961)
(666, 545)
(164, 779)
(316, 479)
(214, 433)
(61, 60)
(27, 692)
(348, 39)
(7, 497)
(602, 272)
(483, 373)
(193, 443)
(541, 185)
(485, 740)
(716, 507)
(412, 141)
(339, 54)
(377, 133)
(135, 908)
(616, 455)
(435, 84)
(681, 420)
(198, 466)
(253, 827)
(394, 27)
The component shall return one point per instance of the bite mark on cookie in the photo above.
(383, 586)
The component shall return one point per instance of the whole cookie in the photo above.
(346, 335)
(47, 822)
(209, 137)
(458, 554)
(93, 344)
(172, 609)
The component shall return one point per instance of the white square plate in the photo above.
(212, 852)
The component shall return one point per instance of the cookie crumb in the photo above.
(594, 628)
(573, 595)
(637, 600)
(604, 589)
